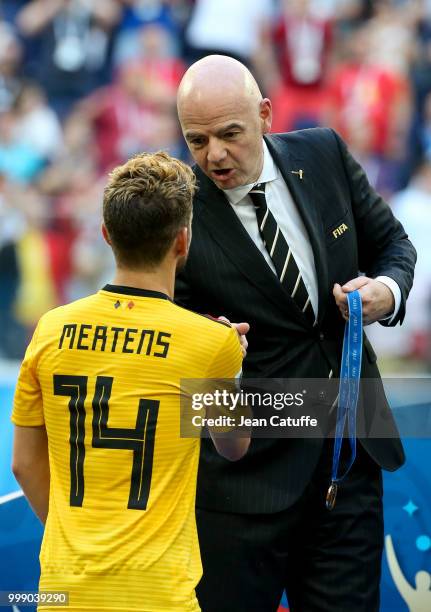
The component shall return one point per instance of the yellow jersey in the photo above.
(103, 375)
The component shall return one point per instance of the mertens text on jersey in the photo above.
(86, 337)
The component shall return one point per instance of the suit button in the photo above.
(322, 395)
(321, 336)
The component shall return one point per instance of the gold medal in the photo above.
(331, 496)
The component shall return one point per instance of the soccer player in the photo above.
(97, 448)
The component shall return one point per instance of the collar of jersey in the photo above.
(135, 291)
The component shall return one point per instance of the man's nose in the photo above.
(216, 151)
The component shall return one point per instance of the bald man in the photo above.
(284, 226)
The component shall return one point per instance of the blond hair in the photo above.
(146, 202)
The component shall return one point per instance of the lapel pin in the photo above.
(299, 172)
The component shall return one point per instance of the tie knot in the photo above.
(259, 188)
(257, 195)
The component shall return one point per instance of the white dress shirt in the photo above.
(282, 206)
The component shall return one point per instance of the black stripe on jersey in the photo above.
(123, 290)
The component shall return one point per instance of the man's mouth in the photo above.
(222, 174)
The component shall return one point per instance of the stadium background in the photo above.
(84, 84)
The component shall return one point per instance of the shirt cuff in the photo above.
(396, 292)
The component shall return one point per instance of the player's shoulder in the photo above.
(61, 313)
(203, 322)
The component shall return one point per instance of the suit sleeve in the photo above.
(383, 245)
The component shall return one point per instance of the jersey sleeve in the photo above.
(27, 405)
(227, 361)
(210, 395)
(224, 376)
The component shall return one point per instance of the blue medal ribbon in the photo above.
(350, 376)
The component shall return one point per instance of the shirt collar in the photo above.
(123, 290)
(269, 173)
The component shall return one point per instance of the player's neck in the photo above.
(159, 280)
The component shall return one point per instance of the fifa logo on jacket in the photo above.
(340, 230)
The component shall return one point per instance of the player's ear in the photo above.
(182, 242)
(105, 234)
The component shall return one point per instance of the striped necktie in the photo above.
(282, 257)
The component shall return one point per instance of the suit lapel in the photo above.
(227, 230)
(290, 162)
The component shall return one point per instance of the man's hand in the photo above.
(377, 299)
(242, 329)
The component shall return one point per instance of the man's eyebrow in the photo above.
(231, 126)
(226, 128)
(191, 134)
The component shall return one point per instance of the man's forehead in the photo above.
(214, 114)
(212, 99)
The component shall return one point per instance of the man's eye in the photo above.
(197, 142)
(230, 134)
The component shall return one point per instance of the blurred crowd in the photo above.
(84, 84)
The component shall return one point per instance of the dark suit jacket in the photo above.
(227, 275)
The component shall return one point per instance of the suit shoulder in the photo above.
(322, 135)
(320, 147)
